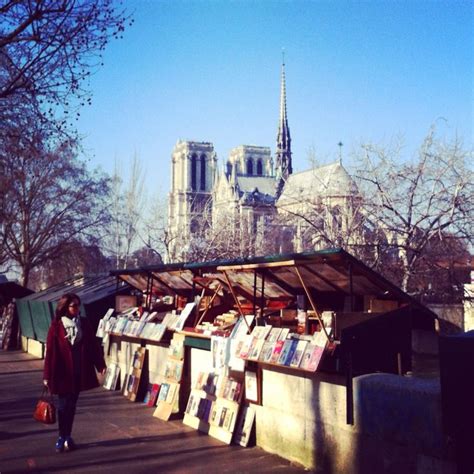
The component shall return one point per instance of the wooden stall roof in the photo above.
(88, 288)
(332, 271)
(178, 278)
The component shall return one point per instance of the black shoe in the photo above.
(69, 444)
(60, 445)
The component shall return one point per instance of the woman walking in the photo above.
(73, 355)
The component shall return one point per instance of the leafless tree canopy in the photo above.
(48, 48)
(49, 200)
(424, 206)
(127, 204)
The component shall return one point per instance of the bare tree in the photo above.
(156, 236)
(47, 50)
(237, 232)
(51, 198)
(127, 209)
(421, 204)
(326, 210)
(76, 258)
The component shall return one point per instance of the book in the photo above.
(256, 348)
(266, 352)
(147, 330)
(284, 351)
(307, 355)
(291, 351)
(315, 358)
(266, 331)
(241, 327)
(167, 320)
(274, 333)
(283, 333)
(298, 355)
(277, 351)
(190, 404)
(257, 331)
(172, 393)
(147, 396)
(163, 392)
(153, 395)
(244, 352)
(158, 332)
(183, 316)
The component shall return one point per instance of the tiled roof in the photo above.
(264, 184)
(328, 180)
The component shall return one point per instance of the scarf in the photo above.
(73, 329)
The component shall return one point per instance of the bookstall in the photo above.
(270, 341)
(173, 297)
(9, 326)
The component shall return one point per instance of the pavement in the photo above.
(113, 434)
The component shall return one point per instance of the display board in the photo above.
(168, 396)
(213, 405)
(134, 377)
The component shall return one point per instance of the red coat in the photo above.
(58, 368)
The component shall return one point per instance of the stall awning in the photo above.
(332, 273)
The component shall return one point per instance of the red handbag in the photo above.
(45, 411)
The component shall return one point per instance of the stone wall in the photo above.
(397, 423)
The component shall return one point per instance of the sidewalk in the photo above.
(113, 434)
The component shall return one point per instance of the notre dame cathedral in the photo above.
(237, 210)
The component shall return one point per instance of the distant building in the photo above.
(249, 192)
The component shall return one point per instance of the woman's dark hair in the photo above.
(64, 302)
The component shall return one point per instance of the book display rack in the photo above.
(276, 346)
(213, 405)
(169, 390)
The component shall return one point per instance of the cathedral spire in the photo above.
(283, 149)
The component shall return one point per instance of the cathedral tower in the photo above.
(283, 150)
(193, 168)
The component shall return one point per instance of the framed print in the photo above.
(244, 426)
(253, 387)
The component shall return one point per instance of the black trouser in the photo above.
(66, 411)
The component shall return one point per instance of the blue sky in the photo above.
(356, 71)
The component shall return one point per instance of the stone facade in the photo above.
(243, 198)
(193, 170)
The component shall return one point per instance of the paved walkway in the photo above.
(113, 435)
